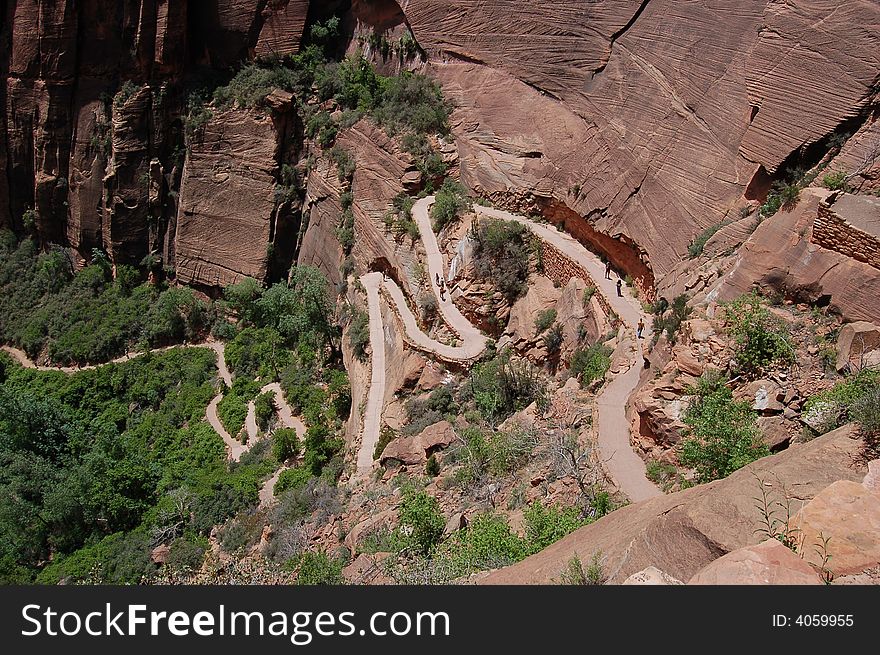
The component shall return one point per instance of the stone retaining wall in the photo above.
(560, 268)
(831, 231)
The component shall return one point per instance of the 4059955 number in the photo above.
(824, 620)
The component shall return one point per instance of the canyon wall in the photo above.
(637, 124)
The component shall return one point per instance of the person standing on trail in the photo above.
(640, 328)
(608, 270)
(619, 285)
(437, 277)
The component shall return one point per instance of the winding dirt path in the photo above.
(234, 448)
(624, 466)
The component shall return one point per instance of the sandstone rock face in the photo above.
(227, 201)
(683, 532)
(770, 562)
(841, 522)
(780, 256)
(854, 343)
(283, 23)
(707, 91)
(66, 145)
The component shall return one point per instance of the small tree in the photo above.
(285, 444)
(421, 520)
(760, 338)
(724, 435)
(264, 409)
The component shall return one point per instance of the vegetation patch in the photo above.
(723, 435)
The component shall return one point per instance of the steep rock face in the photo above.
(680, 533)
(283, 23)
(669, 111)
(779, 255)
(61, 64)
(227, 200)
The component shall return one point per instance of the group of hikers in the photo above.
(640, 328)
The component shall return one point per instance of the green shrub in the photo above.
(345, 163)
(420, 516)
(660, 472)
(449, 202)
(671, 323)
(591, 364)
(285, 444)
(319, 569)
(502, 386)
(761, 339)
(695, 249)
(386, 436)
(501, 254)
(547, 525)
(292, 478)
(264, 409)
(359, 334)
(544, 320)
(723, 435)
(835, 181)
(553, 340)
(849, 400)
(432, 466)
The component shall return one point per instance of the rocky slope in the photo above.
(683, 532)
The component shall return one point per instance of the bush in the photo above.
(292, 478)
(591, 364)
(501, 254)
(849, 400)
(671, 323)
(547, 525)
(359, 333)
(432, 466)
(502, 386)
(386, 436)
(695, 249)
(544, 320)
(723, 434)
(761, 339)
(421, 520)
(345, 163)
(285, 444)
(319, 569)
(264, 409)
(835, 181)
(553, 340)
(449, 202)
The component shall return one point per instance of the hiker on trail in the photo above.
(437, 277)
(640, 328)
(608, 270)
(619, 284)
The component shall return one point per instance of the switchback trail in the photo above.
(625, 467)
(234, 448)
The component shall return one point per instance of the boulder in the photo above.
(417, 449)
(855, 342)
(456, 522)
(842, 522)
(541, 296)
(159, 555)
(686, 362)
(769, 562)
(774, 431)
